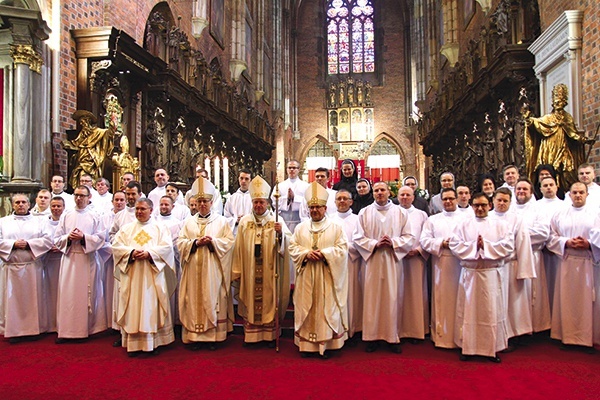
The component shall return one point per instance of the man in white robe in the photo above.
(539, 233)
(575, 311)
(257, 255)
(42, 203)
(80, 234)
(52, 261)
(319, 251)
(205, 246)
(57, 184)
(321, 177)
(482, 244)
(118, 203)
(174, 224)
(415, 308)
(435, 239)
(586, 175)
(349, 220)
(24, 239)
(520, 268)
(143, 254)
(161, 178)
(383, 238)
(292, 193)
(178, 211)
(463, 194)
(545, 208)
(133, 192)
(104, 198)
(240, 202)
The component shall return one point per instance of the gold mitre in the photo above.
(259, 188)
(203, 189)
(316, 195)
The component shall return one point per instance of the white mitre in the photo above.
(203, 189)
(259, 188)
(316, 195)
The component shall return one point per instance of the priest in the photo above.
(143, 255)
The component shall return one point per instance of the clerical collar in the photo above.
(386, 206)
(57, 194)
(22, 215)
(467, 206)
(448, 213)
(203, 216)
(243, 191)
(165, 215)
(500, 214)
(345, 214)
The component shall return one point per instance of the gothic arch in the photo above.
(393, 141)
(159, 22)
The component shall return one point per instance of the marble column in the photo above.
(22, 144)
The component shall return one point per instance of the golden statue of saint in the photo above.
(92, 146)
(125, 162)
(553, 139)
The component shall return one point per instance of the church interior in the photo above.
(402, 88)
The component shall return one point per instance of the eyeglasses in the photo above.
(292, 167)
(449, 199)
(80, 195)
(342, 199)
(478, 205)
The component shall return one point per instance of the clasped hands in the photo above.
(385, 241)
(315, 255)
(140, 254)
(578, 243)
(203, 241)
(76, 234)
(20, 244)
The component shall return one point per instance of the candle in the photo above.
(207, 167)
(225, 174)
(217, 176)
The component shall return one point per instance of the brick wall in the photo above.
(389, 100)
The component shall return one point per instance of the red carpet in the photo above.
(94, 369)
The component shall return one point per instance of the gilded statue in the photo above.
(92, 145)
(553, 139)
(125, 162)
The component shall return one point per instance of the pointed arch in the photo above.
(159, 21)
(385, 159)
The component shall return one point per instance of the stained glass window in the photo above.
(350, 37)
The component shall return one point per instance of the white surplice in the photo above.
(238, 205)
(144, 311)
(573, 317)
(23, 303)
(321, 290)
(350, 223)
(288, 209)
(384, 282)
(81, 308)
(539, 232)
(415, 313)
(446, 271)
(521, 270)
(481, 326)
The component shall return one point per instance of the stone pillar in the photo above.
(22, 144)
